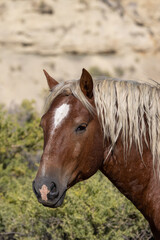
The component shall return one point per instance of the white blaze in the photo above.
(60, 114)
(43, 170)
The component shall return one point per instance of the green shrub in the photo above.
(93, 209)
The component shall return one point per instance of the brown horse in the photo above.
(111, 125)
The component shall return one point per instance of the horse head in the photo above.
(73, 142)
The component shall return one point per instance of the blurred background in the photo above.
(118, 38)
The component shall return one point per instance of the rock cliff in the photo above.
(120, 38)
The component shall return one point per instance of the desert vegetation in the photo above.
(93, 209)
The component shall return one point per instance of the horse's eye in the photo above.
(81, 128)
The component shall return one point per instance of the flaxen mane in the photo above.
(125, 107)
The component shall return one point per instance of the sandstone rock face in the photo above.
(120, 38)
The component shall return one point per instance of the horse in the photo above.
(110, 125)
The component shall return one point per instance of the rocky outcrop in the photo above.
(118, 38)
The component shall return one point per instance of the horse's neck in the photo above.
(135, 178)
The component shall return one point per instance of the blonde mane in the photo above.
(123, 107)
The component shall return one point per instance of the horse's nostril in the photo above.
(52, 195)
(34, 190)
(53, 191)
(53, 187)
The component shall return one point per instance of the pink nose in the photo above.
(44, 191)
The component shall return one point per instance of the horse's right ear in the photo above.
(51, 81)
(86, 83)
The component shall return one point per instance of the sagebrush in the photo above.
(93, 209)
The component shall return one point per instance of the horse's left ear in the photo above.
(51, 81)
(86, 83)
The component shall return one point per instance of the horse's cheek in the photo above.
(76, 150)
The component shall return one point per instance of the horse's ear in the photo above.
(86, 83)
(51, 81)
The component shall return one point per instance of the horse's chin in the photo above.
(51, 204)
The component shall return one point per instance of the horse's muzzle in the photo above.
(48, 194)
